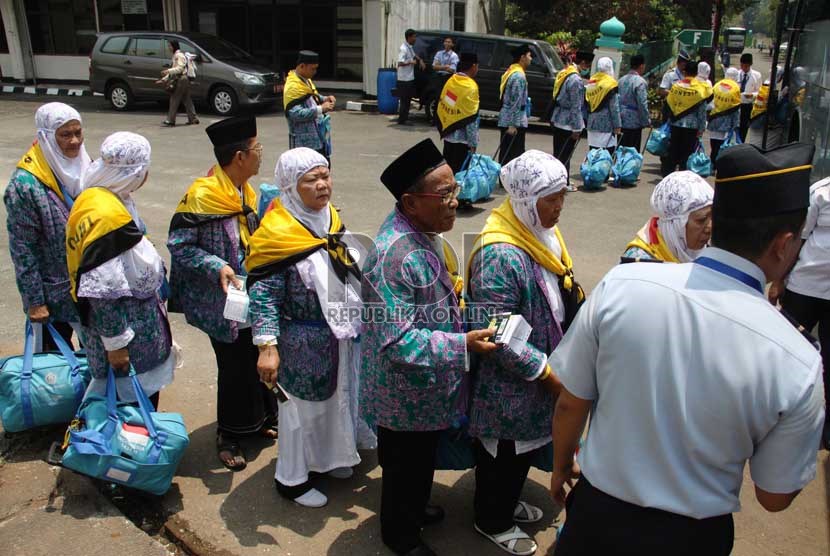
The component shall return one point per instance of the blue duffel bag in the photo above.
(699, 162)
(124, 443)
(596, 169)
(477, 178)
(41, 388)
(658, 140)
(732, 138)
(627, 166)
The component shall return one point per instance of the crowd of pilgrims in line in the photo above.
(667, 453)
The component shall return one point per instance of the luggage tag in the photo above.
(289, 417)
(512, 330)
(237, 302)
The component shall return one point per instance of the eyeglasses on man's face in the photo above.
(447, 194)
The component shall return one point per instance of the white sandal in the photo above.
(526, 513)
(508, 540)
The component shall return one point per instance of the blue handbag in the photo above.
(478, 177)
(41, 388)
(699, 163)
(124, 443)
(732, 138)
(596, 169)
(627, 166)
(658, 141)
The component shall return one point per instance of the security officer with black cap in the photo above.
(688, 372)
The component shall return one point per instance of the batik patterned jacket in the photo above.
(197, 255)
(607, 118)
(468, 134)
(696, 119)
(633, 101)
(303, 130)
(506, 405)
(282, 306)
(37, 244)
(725, 123)
(149, 348)
(413, 356)
(567, 114)
(512, 111)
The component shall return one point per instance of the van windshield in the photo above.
(222, 49)
(551, 53)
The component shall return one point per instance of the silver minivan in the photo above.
(124, 66)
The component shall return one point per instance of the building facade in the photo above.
(50, 40)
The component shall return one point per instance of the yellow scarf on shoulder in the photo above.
(514, 68)
(561, 77)
(759, 107)
(458, 104)
(35, 163)
(297, 90)
(597, 90)
(650, 240)
(215, 197)
(281, 241)
(686, 95)
(727, 98)
(503, 226)
(99, 228)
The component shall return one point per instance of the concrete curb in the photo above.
(52, 91)
(362, 106)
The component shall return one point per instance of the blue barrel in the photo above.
(387, 79)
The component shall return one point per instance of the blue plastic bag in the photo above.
(627, 166)
(478, 178)
(732, 138)
(124, 443)
(658, 141)
(699, 162)
(267, 193)
(41, 388)
(596, 168)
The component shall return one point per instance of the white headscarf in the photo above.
(732, 73)
(139, 271)
(703, 71)
(605, 65)
(677, 196)
(292, 166)
(48, 119)
(533, 175)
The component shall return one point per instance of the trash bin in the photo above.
(387, 79)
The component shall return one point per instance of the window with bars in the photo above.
(458, 14)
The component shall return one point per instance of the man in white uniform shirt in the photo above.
(407, 59)
(672, 76)
(750, 81)
(688, 372)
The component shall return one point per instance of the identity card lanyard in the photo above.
(732, 272)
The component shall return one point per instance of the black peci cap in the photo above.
(410, 166)
(584, 56)
(467, 59)
(519, 50)
(752, 182)
(232, 130)
(308, 57)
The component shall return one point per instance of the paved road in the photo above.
(240, 513)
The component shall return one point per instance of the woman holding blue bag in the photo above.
(116, 274)
(38, 199)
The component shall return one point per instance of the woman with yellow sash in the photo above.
(520, 265)
(513, 104)
(304, 285)
(116, 274)
(726, 114)
(38, 199)
(603, 99)
(682, 202)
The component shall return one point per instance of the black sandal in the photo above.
(230, 445)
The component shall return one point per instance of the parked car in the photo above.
(493, 59)
(125, 65)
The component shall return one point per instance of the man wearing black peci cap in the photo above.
(309, 124)
(513, 101)
(750, 81)
(719, 376)
(208, 240)
(415, 350)
(458, 119)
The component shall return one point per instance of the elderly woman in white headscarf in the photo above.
(682, 202)
(116, 274)
(304, 284)
(520, 265)
(603, 100)
(38, 198)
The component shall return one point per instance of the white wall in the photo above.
(62, 67)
